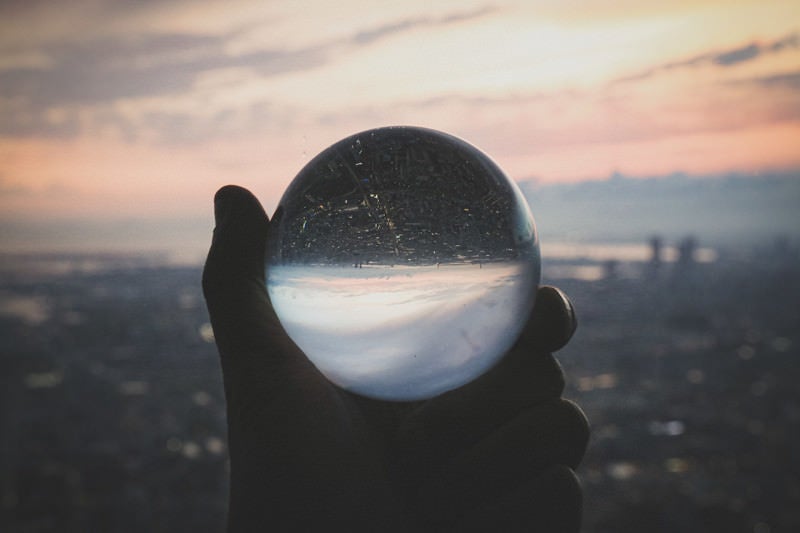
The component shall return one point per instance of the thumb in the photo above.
(288, 429)
(237, 249)
(249, 336)
(552, 322)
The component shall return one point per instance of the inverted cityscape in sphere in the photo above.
(403, 262)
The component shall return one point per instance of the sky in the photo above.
(122, 112)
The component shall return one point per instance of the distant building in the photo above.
(686, 251)
(653, 266)
(611, 269)
(684, 270)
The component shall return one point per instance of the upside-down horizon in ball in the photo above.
(403, 262)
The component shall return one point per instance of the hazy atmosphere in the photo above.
(119, 121)
(656, 143)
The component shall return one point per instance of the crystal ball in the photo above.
(403, 262)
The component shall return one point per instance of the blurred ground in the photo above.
(112, 415)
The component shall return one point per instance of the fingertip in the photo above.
(222, 203)
(557, 302)
(232, 199)
(577, 431)
(553, 320)
(238, 245)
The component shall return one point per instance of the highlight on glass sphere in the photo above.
(403, 262)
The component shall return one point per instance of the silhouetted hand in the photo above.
(494, 455)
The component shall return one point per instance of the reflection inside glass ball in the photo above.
(403, 262)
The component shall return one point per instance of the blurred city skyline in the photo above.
(118, 113)
(610, 219)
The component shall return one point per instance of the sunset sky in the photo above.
(115, 111)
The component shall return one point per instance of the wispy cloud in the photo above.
(89, 74)
(387, 30)
(789, 80)
(104, 70)
(737, 55)
(724, 58)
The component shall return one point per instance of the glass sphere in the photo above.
(403, 262)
